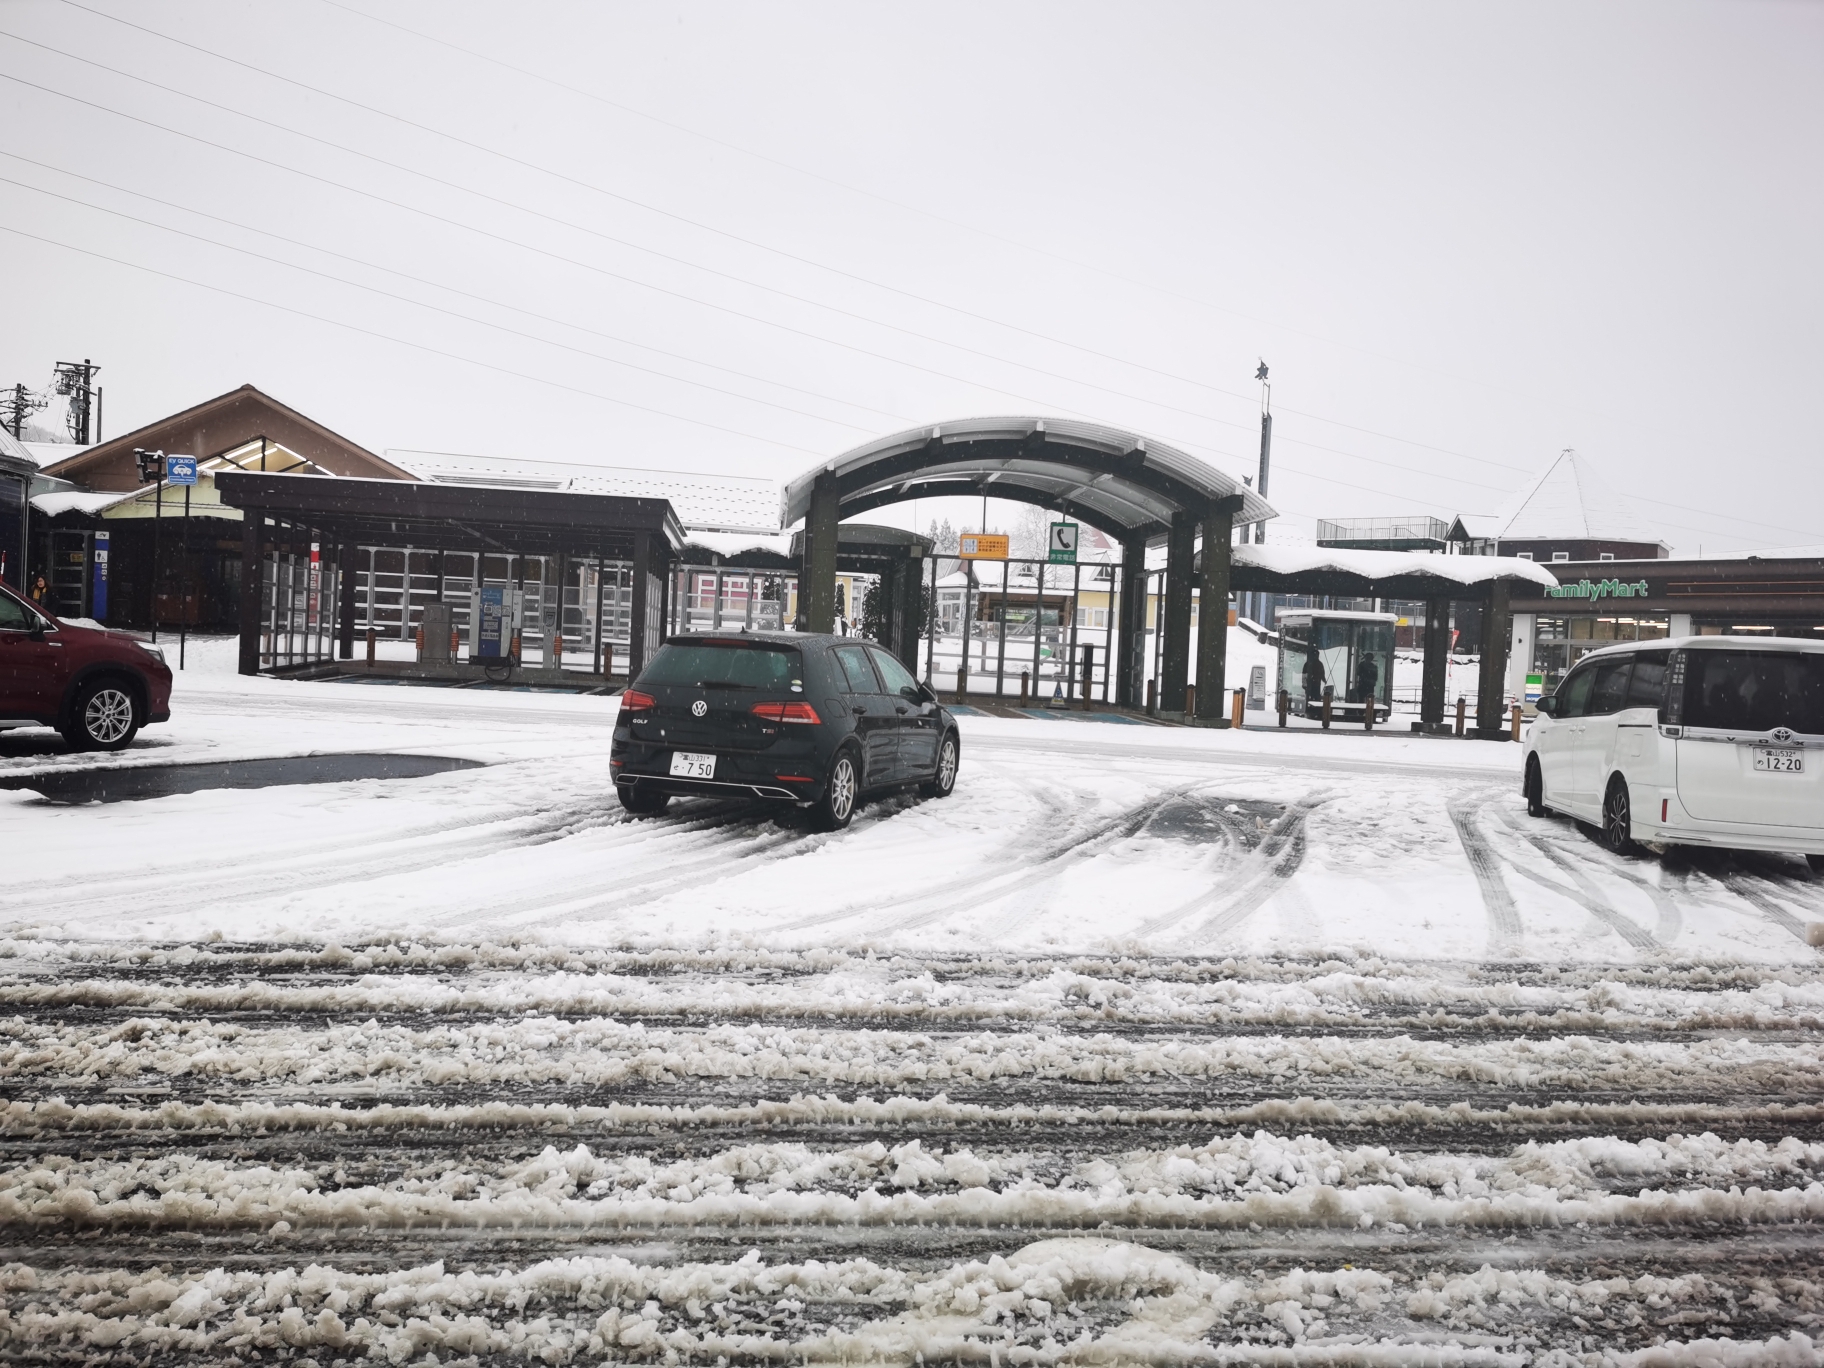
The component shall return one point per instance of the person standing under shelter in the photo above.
(1314, 674)
(1367, 679)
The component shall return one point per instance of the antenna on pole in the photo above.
(1266, 441)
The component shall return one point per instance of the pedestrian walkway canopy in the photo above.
(1125, 485)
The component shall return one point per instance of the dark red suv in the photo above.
(96, 687)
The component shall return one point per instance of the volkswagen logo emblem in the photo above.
(698, 708)
(1781, 734)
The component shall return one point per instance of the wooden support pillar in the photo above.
(817, 584)
(1435, 677)
(253, 591)
(1491, 683)
(1175, 665)
(648, 607)
(1213, 613)
(1130, 650)
(345, 610)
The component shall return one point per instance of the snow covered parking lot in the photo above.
(1147, 1045)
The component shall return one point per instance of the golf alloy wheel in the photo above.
(943, 779)
(837, 806)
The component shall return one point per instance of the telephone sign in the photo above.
(1063, 544)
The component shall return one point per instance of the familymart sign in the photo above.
(1599, 589)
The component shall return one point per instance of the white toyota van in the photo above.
(1715, 741)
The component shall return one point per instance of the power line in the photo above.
(406, 299)
(438, 285)
(404, 342)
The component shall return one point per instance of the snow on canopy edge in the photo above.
(1378, 565)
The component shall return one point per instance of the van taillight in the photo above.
(786, 712)
(632, 700)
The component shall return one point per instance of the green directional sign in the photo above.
(1063, 543)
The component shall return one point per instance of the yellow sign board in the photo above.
(982, 546)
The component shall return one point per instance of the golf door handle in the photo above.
(902, 711)
(858, 710)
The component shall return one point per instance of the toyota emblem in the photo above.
(698, 708)
(1781, 734)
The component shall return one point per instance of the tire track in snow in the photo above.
(1269, 864)
(1504, 930)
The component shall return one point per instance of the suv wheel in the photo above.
(1618, 818)
(104, 715)
(1534, 789)
(641, 801)
(943, 778)
(833, 811)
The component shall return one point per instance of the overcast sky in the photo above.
(743, 238)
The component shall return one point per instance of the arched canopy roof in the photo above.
(1117, 482)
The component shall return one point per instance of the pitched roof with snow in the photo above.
(708, 503)
(1571, 502)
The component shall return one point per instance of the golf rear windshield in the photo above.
(729, 664)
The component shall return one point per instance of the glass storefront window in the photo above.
(1560, 642)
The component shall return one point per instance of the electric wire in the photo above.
(406, 342)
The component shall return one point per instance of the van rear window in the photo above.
(730, 665)
(1755, 690)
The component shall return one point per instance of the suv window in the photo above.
(894, 675)
(728, 666)
(1609, 694)
(1575, 693)
(1647, 687)
(15, 616)
(1754, 690)
(854, 663)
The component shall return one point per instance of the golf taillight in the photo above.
(632, 700)
(786, 712)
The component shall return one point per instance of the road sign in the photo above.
(982, 546)
(1063, 544)
(180, 470)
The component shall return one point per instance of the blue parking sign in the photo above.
(180, 470)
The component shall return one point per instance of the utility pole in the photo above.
(19, 404)
(1266, 441)
(77, 380)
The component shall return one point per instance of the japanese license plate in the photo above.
(688, 765)
(1779, 760)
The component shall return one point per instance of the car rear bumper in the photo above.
(665, 783)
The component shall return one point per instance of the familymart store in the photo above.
(1602, 603)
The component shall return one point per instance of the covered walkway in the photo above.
(1135, 490)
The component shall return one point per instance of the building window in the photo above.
(1606, 555)
(1561, 555)
(1523, 555)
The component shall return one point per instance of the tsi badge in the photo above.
(698, 708)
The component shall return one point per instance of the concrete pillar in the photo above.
(1175, 662)
(817, 584)
(1435, 678)
(253, 591)
(1491, 682)
(1130, 646)
(1213, 614)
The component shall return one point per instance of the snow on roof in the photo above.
(78, 501)
(709, 503)
(1570, 501)
(1281, 559)
(740, 543)
(42, 454)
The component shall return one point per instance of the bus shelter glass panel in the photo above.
(1348, 655)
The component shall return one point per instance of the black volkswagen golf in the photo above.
(818, 721)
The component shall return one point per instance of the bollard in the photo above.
(1025, 683)
(1329, 697)
(418, 643)
(1462, 712)
(370, 646)
(1515, 735)
(455, 645)
(1237, 706)
(557, 650)
(1368, 716)
(962, 682)
(1285, 706)
(1190, 701)
(1152, 697)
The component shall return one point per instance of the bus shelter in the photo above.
(308, 541)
